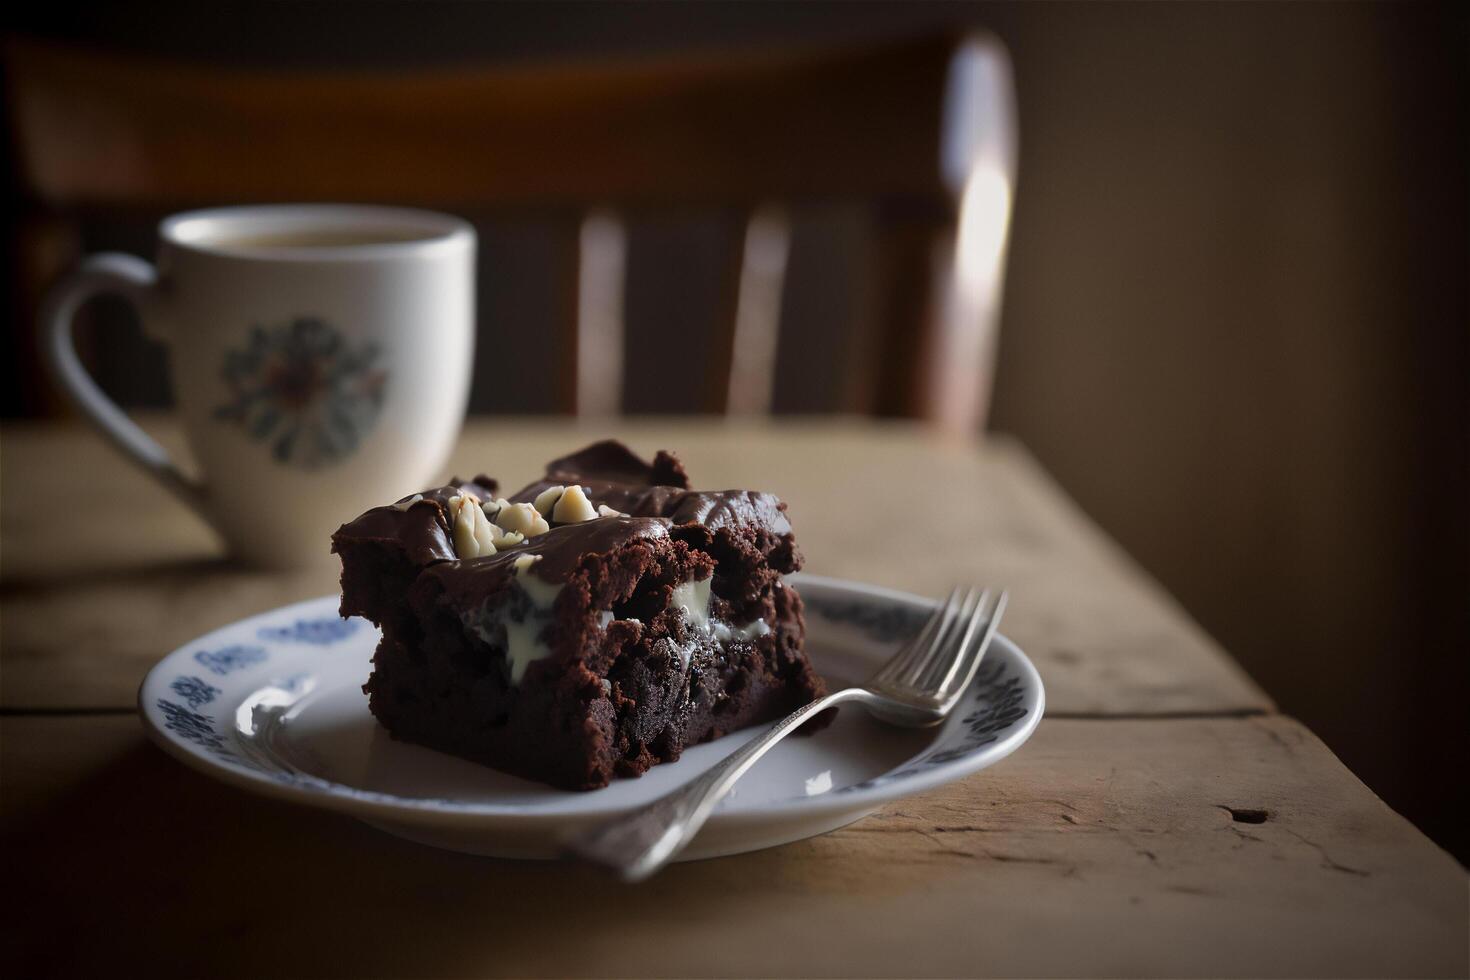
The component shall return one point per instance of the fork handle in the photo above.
(640, 842)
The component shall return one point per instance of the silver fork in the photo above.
(917, 688)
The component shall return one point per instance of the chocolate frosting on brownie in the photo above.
(558, 551)
(654, 496)
(419, 522)
(612, 462)
(614, 476)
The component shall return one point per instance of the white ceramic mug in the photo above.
(320, 355)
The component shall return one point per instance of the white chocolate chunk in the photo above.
(573, 507)
(521, 635)
(603, 510)
(469, 528)
(693, 598)
(546, 500)
(522, 518)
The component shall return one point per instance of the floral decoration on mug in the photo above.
(303, 389)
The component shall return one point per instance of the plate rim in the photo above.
(340, 797)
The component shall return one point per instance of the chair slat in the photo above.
(758, 312)
(601, 273)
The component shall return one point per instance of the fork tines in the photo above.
(941, 660)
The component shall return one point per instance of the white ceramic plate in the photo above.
(274, 704)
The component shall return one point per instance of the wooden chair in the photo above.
(920, 133)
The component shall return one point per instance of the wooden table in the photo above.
(1164, 820)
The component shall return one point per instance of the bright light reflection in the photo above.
(973, 299)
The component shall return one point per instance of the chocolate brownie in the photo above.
(591, 625)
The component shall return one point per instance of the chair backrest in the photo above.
(920, 132)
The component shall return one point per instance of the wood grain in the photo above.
(1103, 848)
(90, 599)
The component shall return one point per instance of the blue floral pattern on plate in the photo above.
(322, 632)
(229, 659)
(195, 691)
(193, 726)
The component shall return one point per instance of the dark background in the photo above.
(1235, 324)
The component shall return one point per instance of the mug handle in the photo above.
(136, 281)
